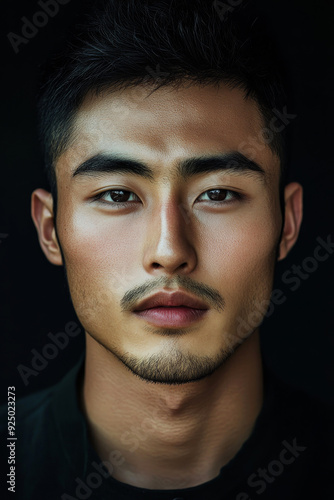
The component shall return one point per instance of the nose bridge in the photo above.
(171, 223)
(169, 244)
(171, 218)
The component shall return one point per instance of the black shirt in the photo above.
(289, 454)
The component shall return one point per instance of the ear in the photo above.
(42, 215)
(293, 195)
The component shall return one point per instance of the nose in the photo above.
(169, 241)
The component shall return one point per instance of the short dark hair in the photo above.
(125, 43)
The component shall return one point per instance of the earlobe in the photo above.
(43, 217)
(293, 195)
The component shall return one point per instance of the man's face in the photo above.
(170, 231)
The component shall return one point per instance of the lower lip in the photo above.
(172, 316)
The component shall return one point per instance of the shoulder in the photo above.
(296, 407)
(293, 434)
(299, 404)
(47, 404)
(35, 403)
(307, 420)
(28, 408)
(47, 423)
(33, 426)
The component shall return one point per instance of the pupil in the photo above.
(117, 195)
(218, 194)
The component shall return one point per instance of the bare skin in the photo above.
(163, 435)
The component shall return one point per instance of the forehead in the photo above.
(164, 126)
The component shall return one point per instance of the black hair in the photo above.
(125, 43)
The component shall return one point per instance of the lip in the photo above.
(176, 309)
(174, 299)
(172, 316)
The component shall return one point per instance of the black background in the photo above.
(297, 339)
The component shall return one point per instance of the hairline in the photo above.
(69, 128)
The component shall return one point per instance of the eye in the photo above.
(220, 196)
(119, 197)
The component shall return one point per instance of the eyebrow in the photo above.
(232, 162)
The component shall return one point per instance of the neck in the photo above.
(161, 436)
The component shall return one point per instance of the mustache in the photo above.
(198, 289)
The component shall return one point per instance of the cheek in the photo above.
(241, 260)
(241, 253)
(95, 245)
(98, 255)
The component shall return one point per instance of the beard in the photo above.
(172, 366)
(176, 368)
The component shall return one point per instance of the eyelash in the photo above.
(237, 197)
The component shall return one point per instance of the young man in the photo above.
(169, 223)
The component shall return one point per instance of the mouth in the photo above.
(171, 316)
(177, 309)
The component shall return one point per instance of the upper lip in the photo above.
(163, 299)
